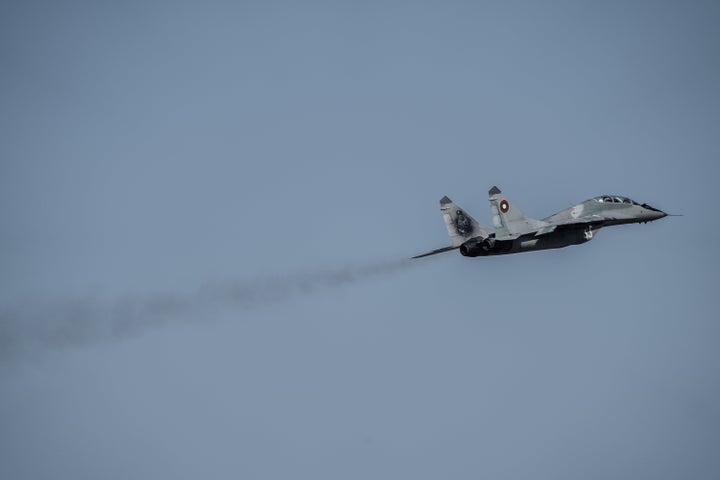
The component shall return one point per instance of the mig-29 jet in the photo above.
(514, 232)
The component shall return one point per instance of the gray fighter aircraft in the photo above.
(514, 232)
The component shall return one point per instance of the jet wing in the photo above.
(544, 230)
(593, 221)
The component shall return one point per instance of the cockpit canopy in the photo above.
(614, 199)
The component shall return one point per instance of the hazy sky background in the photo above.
(151, 149)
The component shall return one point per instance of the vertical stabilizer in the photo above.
(508, 219)
(460, 225)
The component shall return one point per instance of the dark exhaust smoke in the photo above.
(79, 322)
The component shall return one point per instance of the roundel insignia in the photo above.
(504, 206)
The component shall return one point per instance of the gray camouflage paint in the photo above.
(514, 232)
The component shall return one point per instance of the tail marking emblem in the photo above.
(504, 206)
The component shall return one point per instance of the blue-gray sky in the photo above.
(154, 148)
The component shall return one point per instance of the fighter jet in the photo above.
(514, 232)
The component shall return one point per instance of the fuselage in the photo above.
(611, 210)
(572, 226)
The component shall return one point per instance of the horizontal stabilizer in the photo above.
(435, 252)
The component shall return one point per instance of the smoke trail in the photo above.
(88, 321)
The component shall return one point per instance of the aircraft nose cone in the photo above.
(658, 215)
(652, 213)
